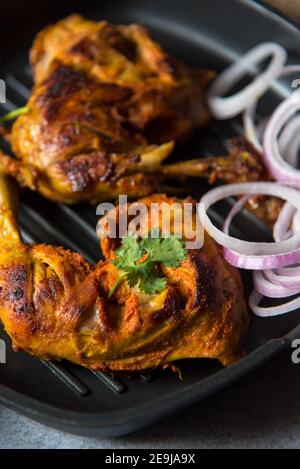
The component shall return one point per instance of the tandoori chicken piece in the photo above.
(107, 102)
(107, 107)
(55, 305)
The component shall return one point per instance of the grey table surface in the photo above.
(261, 410)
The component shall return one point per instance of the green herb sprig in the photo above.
(139, 259)
(14, 114)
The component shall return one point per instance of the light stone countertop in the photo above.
(261, 410)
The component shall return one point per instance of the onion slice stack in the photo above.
(275, 265)
(271, 262)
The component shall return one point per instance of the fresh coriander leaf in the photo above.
(138, 273)
(168, 251)
(153, 283)
(146, 276)
(128, 253)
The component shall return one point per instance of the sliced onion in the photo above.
(253, 133)
(289, 271)
(250, 188)
(276, 265)
(292, 151)
(280, 229)
(254, 256)
(272, 290)
(296, 223)
(290, 69)
(291, 281)
(250, 129)
(278, 168)
(260, 262)
(237, 207)
(289, 141)
(226, 107)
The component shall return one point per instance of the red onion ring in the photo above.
(272, 290)
(296, 223)
(289, 141)
(267, 282)
(237, 207)
(280, 229)
(250, 129)
(289, 281)
(264, 312)
(289, 271)
(250, 188)
(278, 168)
(251, 132)
(226, 107)
(276, 265)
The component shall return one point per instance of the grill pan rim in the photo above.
(119, 422)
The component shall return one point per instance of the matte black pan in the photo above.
(205, 33)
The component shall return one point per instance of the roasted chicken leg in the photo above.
(107, 102)
(54, 305)
(107, 107)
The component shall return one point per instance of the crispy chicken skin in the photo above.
(54, 305)
(107, 107)
(107, 101)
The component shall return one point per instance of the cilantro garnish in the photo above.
(139, 259)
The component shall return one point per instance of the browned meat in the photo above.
(107, 107)
(107, 101)
(54, 305)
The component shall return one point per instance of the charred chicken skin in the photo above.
(107, 102)
(55, 305)
(107, 107)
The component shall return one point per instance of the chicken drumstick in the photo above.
(55, 305)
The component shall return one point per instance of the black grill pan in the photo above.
(207, 33)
